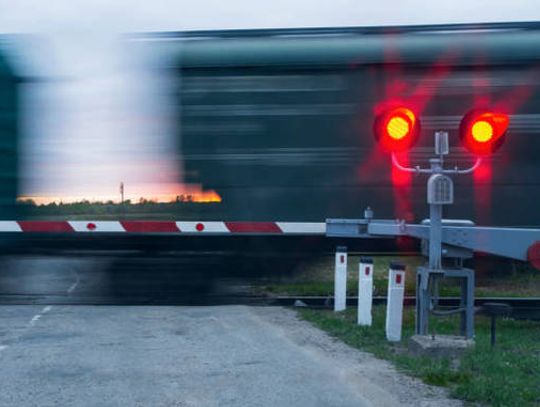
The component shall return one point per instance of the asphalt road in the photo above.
(187, 356)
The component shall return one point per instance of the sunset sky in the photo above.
(99, 113)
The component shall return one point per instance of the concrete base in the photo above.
(439, 346)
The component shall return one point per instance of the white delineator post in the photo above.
(340, 279)
(365, 290)
(394, 307)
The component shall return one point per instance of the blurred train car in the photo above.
(279, 122)
(9, 139)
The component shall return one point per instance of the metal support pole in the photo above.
(435, 238)
(464, 284)
(422, 300)
(435, 223)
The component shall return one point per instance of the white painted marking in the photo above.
(100, 226)
(2, 347)
(35, 319)
(46, 309)
(307, 228)
(209, 227)
(73, 286)
(9, 226)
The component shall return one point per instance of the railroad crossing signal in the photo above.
(396, 129)
(482, 132)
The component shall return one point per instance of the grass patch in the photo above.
(316, 277)
(508, 375)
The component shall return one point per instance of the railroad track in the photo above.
(521, 307)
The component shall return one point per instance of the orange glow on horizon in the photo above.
(188, 195)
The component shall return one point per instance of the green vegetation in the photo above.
(508, 375)
(316, 278)
(184, 209)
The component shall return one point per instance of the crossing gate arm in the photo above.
(514, 243)
(219, 228)
(355, 228)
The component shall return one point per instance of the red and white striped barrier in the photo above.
(194, 228)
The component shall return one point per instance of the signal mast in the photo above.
(445, 243)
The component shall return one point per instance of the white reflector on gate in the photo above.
(96, 226)
(202, 227)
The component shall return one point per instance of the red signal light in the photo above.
(482, 132)
(396, 129)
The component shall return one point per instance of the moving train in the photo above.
(280, 122)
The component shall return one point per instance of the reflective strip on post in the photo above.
(340, 279)
(365, 290)
(394, 307)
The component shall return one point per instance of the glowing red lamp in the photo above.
(396, 129)
(482, 132)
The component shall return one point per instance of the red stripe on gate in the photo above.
(45, 226)
(253, 227)
(145, 227)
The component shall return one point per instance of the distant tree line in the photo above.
(182, 205)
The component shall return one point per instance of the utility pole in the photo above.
(122, 193)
